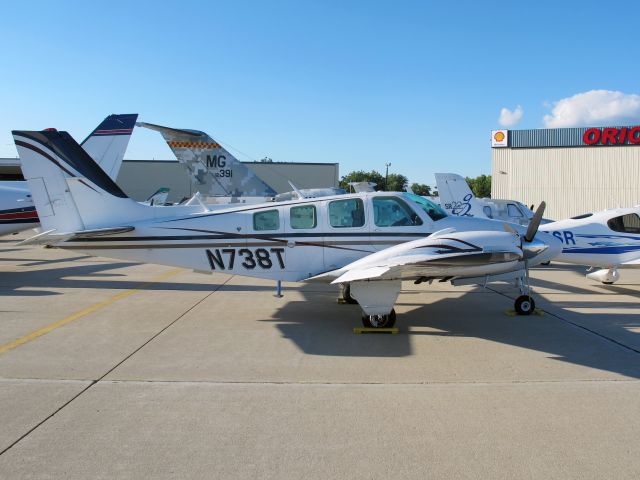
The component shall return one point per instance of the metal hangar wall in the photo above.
(575, 170)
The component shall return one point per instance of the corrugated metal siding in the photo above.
(571, 181)
(553, 137)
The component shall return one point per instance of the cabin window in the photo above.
(629, 223)
(303, 217)
(487, 211)
(267, 220)
(393, 212)
(346, 213)
(513, 211)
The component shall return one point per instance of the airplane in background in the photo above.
(367, 241)
(221, 178)
(457, 199)
(609, 240)
(106, 145)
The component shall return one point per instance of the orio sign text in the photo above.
(612, 136)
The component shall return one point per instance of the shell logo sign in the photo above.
(500, 138)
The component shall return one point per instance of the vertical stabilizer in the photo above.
(108, 143)
(213, 170)
(54, 165)
(456, 197)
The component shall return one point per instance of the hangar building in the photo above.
(140, 178)
(575, 170)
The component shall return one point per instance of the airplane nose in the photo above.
(543, 248)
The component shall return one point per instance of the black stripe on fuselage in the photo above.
(18, 210)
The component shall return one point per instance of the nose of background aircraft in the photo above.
(554, 247)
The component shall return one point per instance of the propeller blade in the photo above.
(532, 229)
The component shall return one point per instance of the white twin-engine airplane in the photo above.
(106, 145)
(609, 239)
(368, 241)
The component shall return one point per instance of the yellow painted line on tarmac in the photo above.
(84, 312)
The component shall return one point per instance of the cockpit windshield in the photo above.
(434, 211)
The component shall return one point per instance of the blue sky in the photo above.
(417, 84)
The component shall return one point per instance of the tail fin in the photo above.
(70, 191)
(213, 170)
(108, 142)
(456, 197)
(159, 197)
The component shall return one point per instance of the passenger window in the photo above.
(393, 212)
(303, 217)
(346, 213)
(513, 211)
(267, 220)
(629, 223)
(487, 211)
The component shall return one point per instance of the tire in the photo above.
(346, 295)
(524, 305)
(379, 321)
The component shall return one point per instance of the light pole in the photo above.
(386, 177)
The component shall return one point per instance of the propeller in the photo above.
(528, 244)
(534, 224)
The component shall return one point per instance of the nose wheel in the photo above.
(524, 305)
(379, 321)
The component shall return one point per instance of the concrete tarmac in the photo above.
(118, 370)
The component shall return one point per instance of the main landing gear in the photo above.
(379, 321)
(524, 305)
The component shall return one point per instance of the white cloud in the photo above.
(509, 118)
(594, 108)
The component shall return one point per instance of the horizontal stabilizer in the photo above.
(99, 232)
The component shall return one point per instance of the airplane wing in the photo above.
(448, 255)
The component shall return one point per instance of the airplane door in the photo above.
(303, 233)
(346, 232)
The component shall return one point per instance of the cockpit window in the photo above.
(393, 212)
(513, 211)
(434, 211)
(629, 223)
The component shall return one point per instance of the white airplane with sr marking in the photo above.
(368, 241)
(106, 145)
(609, 239)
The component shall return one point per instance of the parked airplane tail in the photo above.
(214, 171)
(108, 142)
(70, 191)
(456, 197)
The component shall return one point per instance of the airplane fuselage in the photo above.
(17, 212)
(610, 238)
(288, 241)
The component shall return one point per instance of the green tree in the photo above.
(362, 176)
(396, 182)
(421, 189)
(480, 186)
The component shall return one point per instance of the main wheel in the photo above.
(524, 305)
(379, 321)
(346, 295)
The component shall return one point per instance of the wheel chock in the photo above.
(512, 313)
(392, 330)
